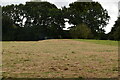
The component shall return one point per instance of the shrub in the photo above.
(81, 31)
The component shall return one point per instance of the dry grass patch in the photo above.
(59, 58)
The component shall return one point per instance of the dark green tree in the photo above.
(81, 31)
(115, 32)
(42, 19)
(47, 17)
(39, 20)
(16, 13)
(90, 13)
(8, 28)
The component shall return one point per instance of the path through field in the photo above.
(59, 58)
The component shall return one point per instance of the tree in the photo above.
(81, 31)
(114, 34)
(37, 20)
(0, 23)
(8, 29)
(47, 17)
(90, 13)
(16, 13)
(42, 19)
(56, 23)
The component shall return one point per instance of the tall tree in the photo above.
(0, 23)
(47, 17)
(42, 19)
(16, 13)
(115, 32)
(90, 13)
(8, 28)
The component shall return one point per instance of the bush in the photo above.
(81, 31)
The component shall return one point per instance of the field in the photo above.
(60, 58)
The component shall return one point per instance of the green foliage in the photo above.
(115, 32)
(8, 28)
(90, 13)
(81, 31)
(40, 20)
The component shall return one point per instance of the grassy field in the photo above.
(60, 59)
(103, 42)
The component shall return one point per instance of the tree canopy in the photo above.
(40, 20)
(115, 32)
(90, 13)
(81, 31)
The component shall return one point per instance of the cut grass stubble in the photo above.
(59, 58)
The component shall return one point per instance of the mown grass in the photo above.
(103, 42)
(62, 58)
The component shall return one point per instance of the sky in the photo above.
(110, 5)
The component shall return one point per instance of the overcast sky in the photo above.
(110, 5)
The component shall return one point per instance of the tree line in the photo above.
(43, 20)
